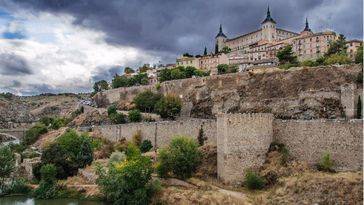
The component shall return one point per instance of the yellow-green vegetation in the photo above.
(180, 72)
(47, 188)
(326, 164)
(169, 107)
(128, 181)
(224, 68)
(33, 134)
(179, 159)
(137, 138)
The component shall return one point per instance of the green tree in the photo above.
(164, 75)
(100, 86)
(47, 188)
(119, 81)
(169, 106)
(205, 51)
(111, 110)
(7, 165)
(128, 70)
(226, 50)
(222, 68)
(187, 55)
(286, 55)
(146, 100)
(337, 47)
(181, 158)
(134, 115)
(127, 182)
(32, 134)
(359, 109)
(359, 55)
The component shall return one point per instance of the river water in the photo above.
(23, 200)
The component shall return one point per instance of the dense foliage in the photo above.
(286, 57)
(7, 165)
(145, 146)
(359, 55)
(124, 81)
(114, 116)
(169, 107)
(69, 153)
(180, 72)
(54, 122)
(146, 100)
(47, 188)
(224, 68)
(100, 86)
(180, 158)
(134, 116)
(253, 180)
(337, 47)
(32, 134)
(128, 181)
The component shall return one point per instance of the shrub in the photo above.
(117, 157)
(137, 138)
(18, 186)
(286, 56)
(169, 106)
(253, 180)
(47, 188)
(309, 63)
(337, 59)
(33, 134)
(146, 146)
(121, 145)
(53, 122)
(359, 55)
(146, 100)
(181, 158)
(222, 68)
(117, 118)
(287, 66)
(7, 165)
(281, 148)
(69, 153)
(132, 151)
(359, 109)
(127, 182)
(326, 164)
(111, 110)
(134, 116)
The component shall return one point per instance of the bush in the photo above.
(137, 138)
(53, 122)
(224, 68)
(309, 63)
(33, 134)
(146, 100)
(326, 164)
(47, 188)
(287, 66)
(181, 158)
(253, 180)
(117, 157)
(359, 55)
(117, 118)
(19, 186)
(132, 151)
(169, 107)
(111, 110)
(337, 59)
(69, 153)
(127, 182)
(134, 116)
(201, 137)
(146, 146)
(7, 165)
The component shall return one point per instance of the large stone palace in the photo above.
(259, 48)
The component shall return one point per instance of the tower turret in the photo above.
(306, 30)
(269, 30)
(220, 40)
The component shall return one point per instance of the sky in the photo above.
(53, 46)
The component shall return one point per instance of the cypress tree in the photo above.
(205, 51)
(358, 109)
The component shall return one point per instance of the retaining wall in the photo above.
(308, 140)
(160, 133)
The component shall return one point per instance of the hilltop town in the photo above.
(270, 117)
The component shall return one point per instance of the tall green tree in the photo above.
(7, 165)
(205, 51)
(286, 55)
(337, 47)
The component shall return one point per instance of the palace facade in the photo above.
(259, 48)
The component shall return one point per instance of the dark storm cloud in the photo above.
(176, 26)
(13, 65)
(106, 74)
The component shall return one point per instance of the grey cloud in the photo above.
(106, 74)
(13, 65)
(176, 26)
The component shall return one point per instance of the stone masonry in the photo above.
(243, 140)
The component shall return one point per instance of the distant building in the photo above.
(259, 47)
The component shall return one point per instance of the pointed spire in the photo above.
(205, 51)
(221, 34)
(268, 18)
(307, 28)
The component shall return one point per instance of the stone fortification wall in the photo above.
(160, 133)
(308, 140)
(242, 143)
(300, 93)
